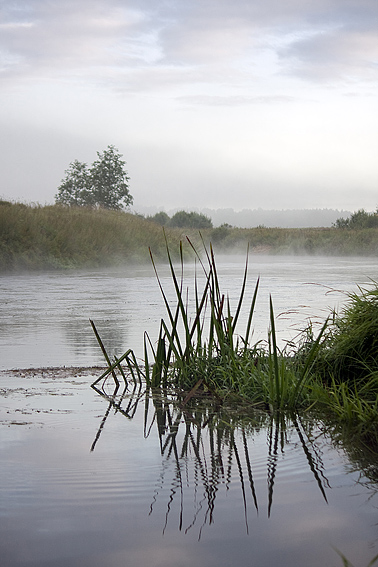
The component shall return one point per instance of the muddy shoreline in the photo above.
(38, 396)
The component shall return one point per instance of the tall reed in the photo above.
(205, 348)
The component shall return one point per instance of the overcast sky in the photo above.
(213, 103)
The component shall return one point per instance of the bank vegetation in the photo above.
(57, 236)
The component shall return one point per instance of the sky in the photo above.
(212, 103)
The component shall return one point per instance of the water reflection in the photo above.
(206, 445)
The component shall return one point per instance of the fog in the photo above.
(248, 218)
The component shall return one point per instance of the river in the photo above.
(44, 317)
(129, 478)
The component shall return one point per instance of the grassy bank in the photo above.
(317, 241)
(36, 237)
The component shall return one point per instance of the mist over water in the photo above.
(45, 316)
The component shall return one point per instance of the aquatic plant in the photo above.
(200, 349)
(350, 351)
(203, 348)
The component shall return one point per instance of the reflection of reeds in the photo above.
(347, 563)
(314, 462)
(210, 446)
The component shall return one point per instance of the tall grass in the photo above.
(36, 237)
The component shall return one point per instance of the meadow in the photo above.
(56, 237)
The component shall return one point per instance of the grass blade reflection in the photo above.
(214, 445)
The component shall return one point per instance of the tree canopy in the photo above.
(183, 219)
(161, 218)
(105, 184)
(359, 219)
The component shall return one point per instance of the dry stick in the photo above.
(192, 392)
(104, 351)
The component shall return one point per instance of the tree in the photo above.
(160, 218)
(105, 184)
(74, 186)
(109, 180)
(182, 219)
(358, 219)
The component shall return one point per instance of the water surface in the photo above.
(44, 317)
(88, 480)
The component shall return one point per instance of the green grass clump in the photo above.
(350, 351)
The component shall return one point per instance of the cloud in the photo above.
(161, 42)
(54, 37)
(208, 100)
(335, 54)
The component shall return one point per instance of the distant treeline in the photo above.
(51, 237)
(272, 218)
(275, 218)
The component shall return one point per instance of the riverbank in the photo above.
(56, 237)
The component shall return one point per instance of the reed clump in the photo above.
(200, 349)
(200, 346)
